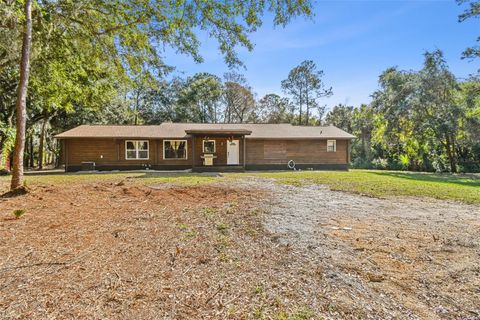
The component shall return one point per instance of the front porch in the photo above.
(218, 150)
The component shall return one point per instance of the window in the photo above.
(136, 150)
(331, 145)
(208, 146)
(175, 149)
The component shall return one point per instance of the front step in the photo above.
(219, 169)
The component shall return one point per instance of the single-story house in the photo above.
(205, 147)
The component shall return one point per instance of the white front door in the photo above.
(233, 152)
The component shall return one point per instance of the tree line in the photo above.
(422, 120)
(101, 62)
(68, 55)
(147, 100)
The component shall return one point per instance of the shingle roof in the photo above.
(177, 130)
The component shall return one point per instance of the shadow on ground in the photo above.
(469, 179)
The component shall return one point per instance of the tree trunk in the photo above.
(135, 112)
(135, 115)
(300, 113)
(227, 111)
(307, 114)
(17, 172)
(451, 154)
(41, 147)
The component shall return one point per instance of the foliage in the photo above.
(275, 109)
(101, 62)
(422, 119)
(239, 101)
(84, 51)
(89, 57)
(341, 116)
(304, 83)
(472, 11)
(199, 98)
(8, 141)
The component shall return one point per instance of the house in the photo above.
(205, 147)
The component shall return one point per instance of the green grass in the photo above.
(465, 188)
(187, 179)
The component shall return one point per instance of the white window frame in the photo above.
(334, 145)
(214, 145)
(135, 143)
(186, 149)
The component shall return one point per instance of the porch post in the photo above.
(244, 151)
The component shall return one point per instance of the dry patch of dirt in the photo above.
(239, 249)
(116, 250)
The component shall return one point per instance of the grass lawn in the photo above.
(187, 179)
(465, 188)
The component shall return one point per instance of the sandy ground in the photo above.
(412, 258)
(250, 249)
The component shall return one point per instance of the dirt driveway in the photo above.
(411, 258)
(245, 248)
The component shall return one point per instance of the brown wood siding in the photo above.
(273, 150)
(257, 152)
(306, 151)
(113, 152)
(220, 150)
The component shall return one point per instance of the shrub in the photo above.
(404, 161)
(380, 163)
(18, 213)
(360, 163)
(440, 165)
(469, 166)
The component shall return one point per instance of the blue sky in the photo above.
(352, 41)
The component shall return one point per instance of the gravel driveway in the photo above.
(403, 257)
